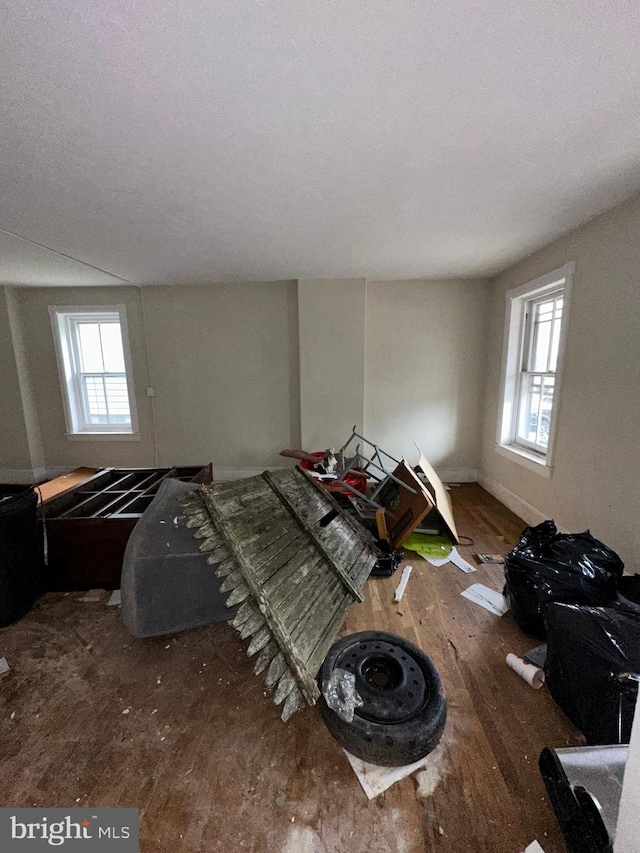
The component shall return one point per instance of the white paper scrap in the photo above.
(460, 562)
(534, 847)
(491, 600)
(404, 580)
(454, 557)
(375, 779)
(116, 598)
(435, 561)
(4, 666)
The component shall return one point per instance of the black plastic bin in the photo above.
(21, 553)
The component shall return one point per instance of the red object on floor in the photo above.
(357, 478)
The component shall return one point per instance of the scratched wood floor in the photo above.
(204, 756)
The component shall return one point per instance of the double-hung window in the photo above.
(95, 369)
(536, 325)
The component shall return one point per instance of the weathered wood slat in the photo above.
(239, 594)
(346, 580)
(343, 552)
(293, 561)
(251, 626)
(294, 575)
(276, 670)
(318, 653)
(245, 505)
(270, 651)
(232, 580)
(300, 472)
(259, 640)
(295, 663)
(222, 569)
(307, 503)
(251, 527)
(256, 544)
(284, 688)
(248, 485)
(363, 566)
(293, 703)
(195, 519)
(244, 613)
(274, 554)
(311, 614)
(296, 604)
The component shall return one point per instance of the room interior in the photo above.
(313, 216)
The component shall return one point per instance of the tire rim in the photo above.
(390, 681)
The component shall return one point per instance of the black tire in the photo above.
(404, 711)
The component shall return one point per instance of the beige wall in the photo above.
(15, 454)
(425, 359)
(332, 345)
(59, 451)
(596, 480)
(241, 371)
(224, 367)
(222, 360)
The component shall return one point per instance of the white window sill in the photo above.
(523, 457)
(103, 436)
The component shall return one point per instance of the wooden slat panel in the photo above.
(313, 535)
(279, 631)
(297, 573)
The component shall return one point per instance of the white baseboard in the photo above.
(526, 511)
(457, 475)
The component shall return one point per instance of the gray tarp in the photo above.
(167, 584)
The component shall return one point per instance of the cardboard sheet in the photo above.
(441, 496)
(405, 509)
(66, 481)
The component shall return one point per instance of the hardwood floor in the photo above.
(204, 756)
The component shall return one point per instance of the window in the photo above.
(95, 369)
(534, 347)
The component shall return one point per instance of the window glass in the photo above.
(112, 353)
(90, 347)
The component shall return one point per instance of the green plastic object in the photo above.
(432, 546)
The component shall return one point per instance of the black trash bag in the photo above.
(389, 562)
(21, 554)
(549, 566)
(593, 666)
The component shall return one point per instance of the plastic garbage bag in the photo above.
(593, 667)
(548, 566)
(340, 693)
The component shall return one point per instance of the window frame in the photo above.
(64, 322)
(508, 443)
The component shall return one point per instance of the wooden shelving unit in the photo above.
(87, 527)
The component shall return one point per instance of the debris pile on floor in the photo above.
(295, 563)
(570, 589)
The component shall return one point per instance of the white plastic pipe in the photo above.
(404, 580)
(533, 675)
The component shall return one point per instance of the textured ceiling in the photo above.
(173, 141)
